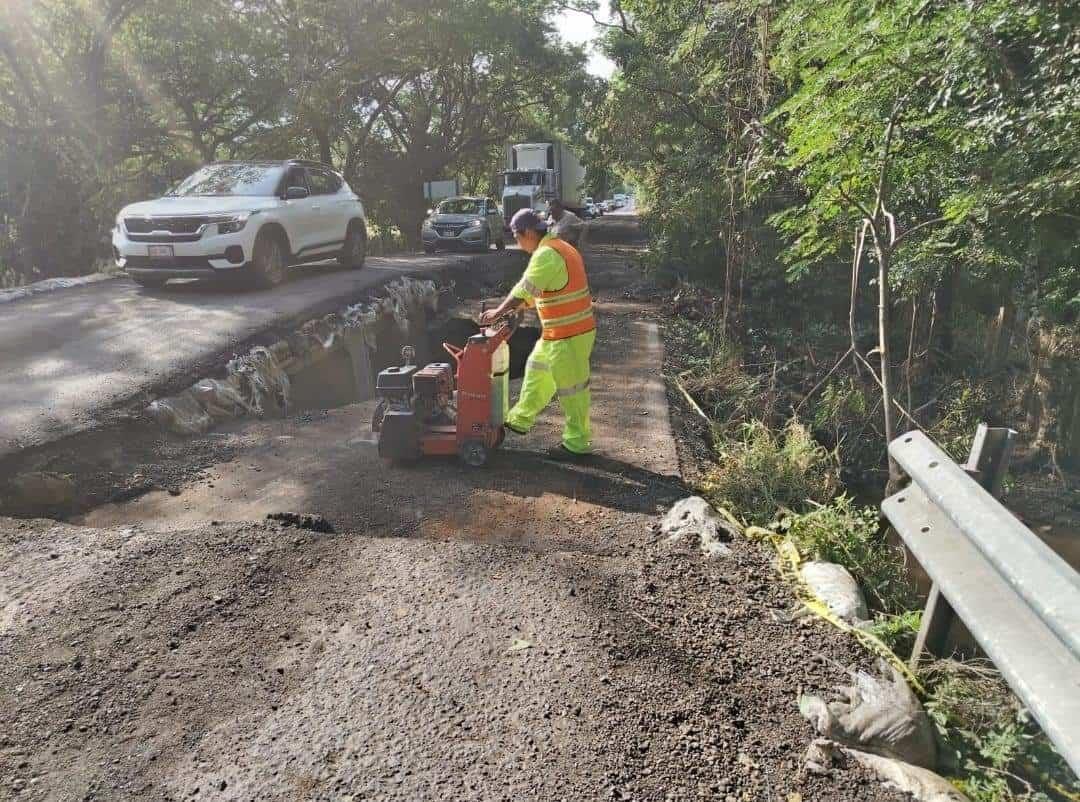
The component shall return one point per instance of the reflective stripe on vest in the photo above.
(566, 312)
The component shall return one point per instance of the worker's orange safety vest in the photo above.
(567, 312)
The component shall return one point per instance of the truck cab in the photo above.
(537, 172)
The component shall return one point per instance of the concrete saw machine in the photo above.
(443, 409)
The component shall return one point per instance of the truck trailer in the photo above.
(537, 172)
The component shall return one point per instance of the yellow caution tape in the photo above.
(790, 561)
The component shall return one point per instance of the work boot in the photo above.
(561, 453)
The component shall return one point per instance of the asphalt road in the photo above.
(69, 354)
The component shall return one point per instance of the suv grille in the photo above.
(450, 229)
(174, 225)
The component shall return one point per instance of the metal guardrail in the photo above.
(1019, 600)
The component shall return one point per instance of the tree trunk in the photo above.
(411, 211)
(322, 136)
(943, 312)
(884, 256)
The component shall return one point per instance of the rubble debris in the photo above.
(879, 715)
(693, 519)
(258, 383)
(837, 588)
(312, 522)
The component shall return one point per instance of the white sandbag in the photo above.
(693, 519)
(222, 400)
(879, 715)
(263, 384)
(835, 586)
(181, 414)
(923, 784)
(825, 757)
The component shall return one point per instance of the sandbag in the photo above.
(692, 519)
(923, 784)
(181, 414)
(262, 382)
(825, 757)
(879, 715)
(835, 586)
(222, 400)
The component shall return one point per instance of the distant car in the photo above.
(252, 218)
(464, 222)
(591, 210)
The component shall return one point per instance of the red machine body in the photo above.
(439, 411)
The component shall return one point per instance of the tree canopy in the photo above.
(107, 101)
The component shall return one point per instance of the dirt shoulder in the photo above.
(519, 632)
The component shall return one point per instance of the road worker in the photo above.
(555, 284)
(564, 224)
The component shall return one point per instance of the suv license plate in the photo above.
(161, 251)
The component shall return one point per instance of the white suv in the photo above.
(251, 218)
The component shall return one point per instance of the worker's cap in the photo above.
(527, 220)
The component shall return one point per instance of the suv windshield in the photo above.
(232, 179)
(459, 206)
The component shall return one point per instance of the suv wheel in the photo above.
(354, 252)
(270, 260)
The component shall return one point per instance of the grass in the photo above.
(763, 472)
(990, 747)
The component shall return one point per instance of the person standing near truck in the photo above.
(554, 283)
(565, 224)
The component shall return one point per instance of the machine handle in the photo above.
(454, 351)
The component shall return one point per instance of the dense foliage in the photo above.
(937, 141)
(103, 102)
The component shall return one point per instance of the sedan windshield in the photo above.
(232, 179)
(460, 206)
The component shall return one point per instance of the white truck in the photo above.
(536, 172)
(435, 191)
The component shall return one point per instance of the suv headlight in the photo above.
(476, 224)
(428, 224)
(234, 223)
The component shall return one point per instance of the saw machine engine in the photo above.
(437, 410)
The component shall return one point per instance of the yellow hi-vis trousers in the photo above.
(558, 368)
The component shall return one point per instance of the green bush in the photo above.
(843, 417)
(764, 472)
(961, 410)
(841, 532)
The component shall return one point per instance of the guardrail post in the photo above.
(987, 464)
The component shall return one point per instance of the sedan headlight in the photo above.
(234, 223)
